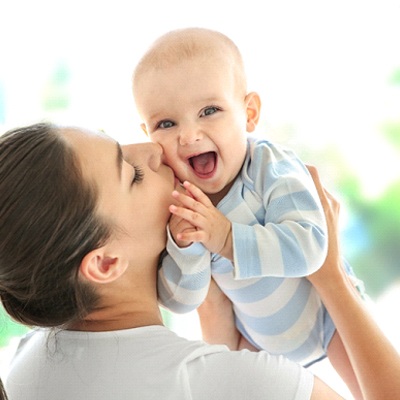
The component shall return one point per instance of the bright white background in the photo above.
(322, 68)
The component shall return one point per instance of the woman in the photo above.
(82, 228)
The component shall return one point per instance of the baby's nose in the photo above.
(189, 136)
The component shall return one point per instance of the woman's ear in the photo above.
(99, 267)
(253, 108)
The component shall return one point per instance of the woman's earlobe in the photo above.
(253, 108)
(98, 267)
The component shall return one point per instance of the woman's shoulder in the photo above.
(151, 361)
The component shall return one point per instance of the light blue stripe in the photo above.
(312, 342)
(286, 317)
(257, 291)
(319, 234)
(221, 265)
(190, 282)
(280, 206)
(294, 262)
(324, 325)
(278, 169)
(166, 300)
(177, 307)
(246, 251)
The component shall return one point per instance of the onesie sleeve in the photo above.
(184, 276)
(288, 236)
(248, 375)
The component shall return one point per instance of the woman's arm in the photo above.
(217, 320)
(374, 359)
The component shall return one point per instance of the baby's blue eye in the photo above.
(210, 110)
(165, 124)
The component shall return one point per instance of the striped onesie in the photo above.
(279, 237)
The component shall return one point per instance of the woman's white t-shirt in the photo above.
(146, 363)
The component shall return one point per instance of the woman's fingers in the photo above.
(329, 202)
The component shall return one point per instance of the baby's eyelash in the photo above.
(139, 174)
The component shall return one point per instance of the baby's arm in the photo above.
(183, 277)
(291, 242)
(290, 238)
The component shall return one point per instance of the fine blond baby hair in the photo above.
(190, 44)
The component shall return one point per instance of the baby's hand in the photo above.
(178, 226)
(212, 228)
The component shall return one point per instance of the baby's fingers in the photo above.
(186, 201)
(191, 236)
(189, 215)
(197, 193)
(190, 203)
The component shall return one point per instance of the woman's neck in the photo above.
(90, 325)
(124, 315)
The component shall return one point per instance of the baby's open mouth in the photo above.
(204, 164)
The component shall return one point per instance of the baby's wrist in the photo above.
(227, 249)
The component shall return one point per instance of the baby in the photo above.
(251, 210)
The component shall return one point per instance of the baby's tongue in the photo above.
(204, 163)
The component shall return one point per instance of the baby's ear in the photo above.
(253, 108)
(144, 129)
(99, 267)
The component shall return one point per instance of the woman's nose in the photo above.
(143, 153)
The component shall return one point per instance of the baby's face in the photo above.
(194, 111)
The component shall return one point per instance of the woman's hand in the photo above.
(332, 268)
(374, 359)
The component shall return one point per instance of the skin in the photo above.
(201, 110)
(124, 270)
(214, 120)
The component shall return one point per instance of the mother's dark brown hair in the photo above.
(48, 224)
